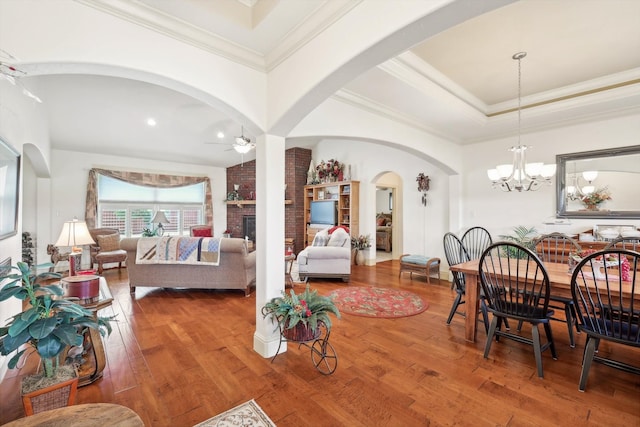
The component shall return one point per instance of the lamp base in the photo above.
(75, 261)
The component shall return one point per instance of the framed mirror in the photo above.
(599, 184)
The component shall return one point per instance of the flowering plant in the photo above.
(308, 308)
(332, 168)
(361, 242)
(597, 197)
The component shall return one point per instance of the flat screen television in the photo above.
(324, 212)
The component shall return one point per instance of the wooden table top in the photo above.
(559, 277)
(87, 415)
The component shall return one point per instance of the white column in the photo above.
(270, 164)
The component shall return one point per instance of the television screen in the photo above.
(324, 212)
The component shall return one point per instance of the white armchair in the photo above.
(328, 256)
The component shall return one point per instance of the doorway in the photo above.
(388, 217)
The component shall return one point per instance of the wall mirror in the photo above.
(583, 177)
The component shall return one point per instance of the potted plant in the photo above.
(48, 324)
(299, 316)
(148, 232)
(592, 201)
(360, 243)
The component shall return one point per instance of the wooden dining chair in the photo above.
(557, 247)
(456, 254)
(630, 243)
(608, 305)
(516, 286)
(475, 240)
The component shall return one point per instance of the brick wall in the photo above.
(297, 163)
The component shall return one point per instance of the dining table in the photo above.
(559, 284)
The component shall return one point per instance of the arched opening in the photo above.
(388, 235)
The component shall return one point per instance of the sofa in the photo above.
(236, 269)
(328, 256)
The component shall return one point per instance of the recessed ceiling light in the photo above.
(220, 134)
(151, 121)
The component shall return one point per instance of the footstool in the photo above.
(420, 264)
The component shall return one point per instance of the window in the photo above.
(129, 207)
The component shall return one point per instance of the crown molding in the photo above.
(382, 110)
(322, 18)
(177, 29)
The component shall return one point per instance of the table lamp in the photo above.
(74, 234)
(159, 218)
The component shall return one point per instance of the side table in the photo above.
(288, 265)
(92, 360)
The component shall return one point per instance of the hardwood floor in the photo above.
(178, 357)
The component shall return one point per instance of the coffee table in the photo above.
(93, 360)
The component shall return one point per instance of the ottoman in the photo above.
(420, 264)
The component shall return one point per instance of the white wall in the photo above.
(422, 226)
(70, 172)
(22, 121)
(499, 212)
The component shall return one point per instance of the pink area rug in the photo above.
(378, 302)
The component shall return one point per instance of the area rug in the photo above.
(249, 414)
(378, 302)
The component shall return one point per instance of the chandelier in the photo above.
(575, 191)
(520, 175)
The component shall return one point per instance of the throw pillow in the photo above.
(109, 242)
(339, 238)
(345, 228)
(321, 238)
(202, 232)
(381, 221)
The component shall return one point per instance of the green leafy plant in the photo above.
(147, 232)
(48, 323)
(523, 236)
(308, 308)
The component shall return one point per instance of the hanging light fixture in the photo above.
(243, 144)
(13, 74)
(575, 191)
(520, 175)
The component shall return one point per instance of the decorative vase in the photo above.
(592, 207)
(354, 253)
(360, 257)
(300, 332)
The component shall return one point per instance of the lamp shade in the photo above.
(75, 233)
(159, 218)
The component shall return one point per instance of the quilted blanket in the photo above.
(179, 250)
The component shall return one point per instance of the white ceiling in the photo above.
(583, 61)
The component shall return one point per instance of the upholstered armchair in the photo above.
(328, 256)
(107, 248)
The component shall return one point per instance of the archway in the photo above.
(388, 236)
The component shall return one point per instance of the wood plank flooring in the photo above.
(178, 357)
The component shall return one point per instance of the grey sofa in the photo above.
(237, 269)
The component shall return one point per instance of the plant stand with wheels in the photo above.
(323, 355)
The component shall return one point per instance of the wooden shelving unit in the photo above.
(347, 193)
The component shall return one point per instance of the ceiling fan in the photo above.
(242, 144)
(12, 74)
